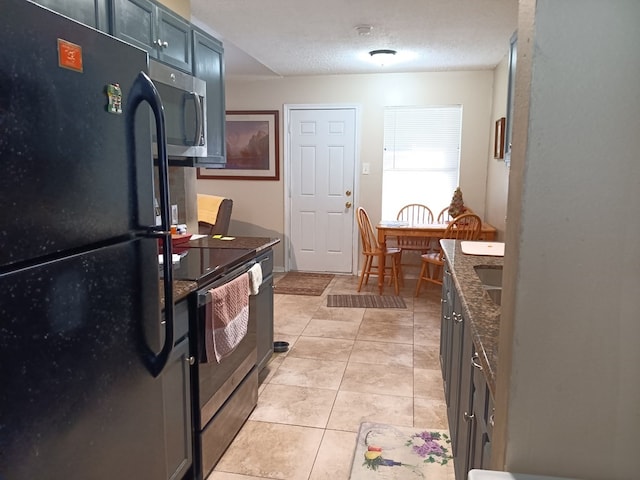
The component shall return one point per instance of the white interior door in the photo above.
(322, 150)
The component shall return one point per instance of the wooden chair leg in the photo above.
(423, 272)
(394, 274)
(399, 268)
(365, 272)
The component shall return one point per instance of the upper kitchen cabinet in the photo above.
(94, 13)
(208, 65)
(163, 34)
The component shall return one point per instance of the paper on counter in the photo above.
(196, 237)
(175, 258)
(493, 249)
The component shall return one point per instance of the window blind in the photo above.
(421, 161)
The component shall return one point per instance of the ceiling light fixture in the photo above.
(383, 56)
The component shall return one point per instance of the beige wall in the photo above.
(181, 7)
(259, 205)
(497, 171)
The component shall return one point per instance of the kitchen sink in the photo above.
(491, 278)
(495, 294)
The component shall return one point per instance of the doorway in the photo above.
(320, 184)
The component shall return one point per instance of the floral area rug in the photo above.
(402, 453)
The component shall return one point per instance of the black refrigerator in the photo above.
(83, 338)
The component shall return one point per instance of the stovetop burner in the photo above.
(204, 265)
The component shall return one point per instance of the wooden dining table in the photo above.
(423, 230)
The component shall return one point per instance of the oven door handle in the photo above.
(203, 295)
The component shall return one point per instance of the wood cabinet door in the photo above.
(465, 409)
(208, 65)
(89, 12)
(161, 33)
(173, 40)
(134, 22)
(446, 326)
(176, 389)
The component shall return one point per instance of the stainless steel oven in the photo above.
(227, 391)
(185, 108)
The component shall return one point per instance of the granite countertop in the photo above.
(182, 288)
(255, 243)
(482, 313)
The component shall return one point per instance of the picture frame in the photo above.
(498, 141)
(252, 139)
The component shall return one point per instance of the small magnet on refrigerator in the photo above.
(114, 94)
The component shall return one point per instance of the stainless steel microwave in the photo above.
(185, 109)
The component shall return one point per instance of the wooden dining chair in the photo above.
(372, 251)
(443, 216)
(464, 227)
(415, 214)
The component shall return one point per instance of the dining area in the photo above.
(418, 230)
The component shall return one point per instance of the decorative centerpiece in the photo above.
(457, 204)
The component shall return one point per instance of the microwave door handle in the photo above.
(199, 120)
(143, 89)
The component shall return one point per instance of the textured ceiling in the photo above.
(301, 37)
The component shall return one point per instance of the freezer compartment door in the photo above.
(77, 400)
(66, 180)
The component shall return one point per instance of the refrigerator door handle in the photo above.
(143, 89)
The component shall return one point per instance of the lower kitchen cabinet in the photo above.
(261, 306)
(483, 412)
(176, 391)
(446, 330)
(469, 403)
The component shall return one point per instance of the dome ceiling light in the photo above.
(383, 56)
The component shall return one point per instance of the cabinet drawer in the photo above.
(220, 432)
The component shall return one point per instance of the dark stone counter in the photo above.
(182, 288)
(482, 313)
(254, 243)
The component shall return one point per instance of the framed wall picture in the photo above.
(498, 141)
(252, 147)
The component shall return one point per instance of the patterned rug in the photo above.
(365, 301)
(302, 283)
(402, 453)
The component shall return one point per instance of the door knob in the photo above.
(348, 204)
(348, 193)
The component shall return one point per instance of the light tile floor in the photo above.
(344, 366)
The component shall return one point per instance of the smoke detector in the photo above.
(364, 30)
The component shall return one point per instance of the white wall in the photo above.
(568, 391)
(259, 205)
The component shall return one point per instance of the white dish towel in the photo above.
(255, 279)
